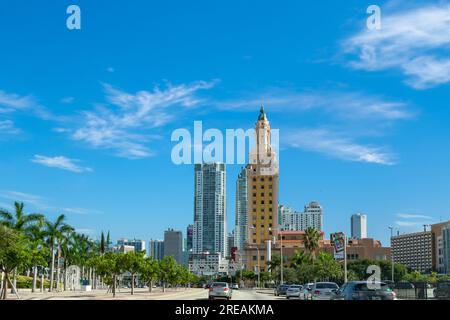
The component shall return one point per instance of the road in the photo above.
(143, 294)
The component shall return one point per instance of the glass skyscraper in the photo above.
(240, 230)
(210, 209)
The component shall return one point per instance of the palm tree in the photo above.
(55, 231)
(19, 221)
(312, 237)
(299, 258)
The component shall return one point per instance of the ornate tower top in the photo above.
(262, 114)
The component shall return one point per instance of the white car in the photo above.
(323, 290)
(294, 291)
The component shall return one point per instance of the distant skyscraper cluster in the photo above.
(312, 216)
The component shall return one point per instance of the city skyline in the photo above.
(85, 125)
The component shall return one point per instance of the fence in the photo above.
(415, 290)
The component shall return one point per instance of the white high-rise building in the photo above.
(297, 221)
(240, 229)
(209, 233)
(359, 226)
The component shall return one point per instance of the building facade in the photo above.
(240, 229)
(189, 237)
(296, 221)
(358, 224)
(262, 193)
(414, 250)
(173, 244)
(441, 247)
(138, 245)
(208, 264)
(209, 231)
(156, 249)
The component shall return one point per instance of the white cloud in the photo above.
(346, 105)
(27, 198)
(11, 102)
(325, 142)
(125, 125)
(412, 216)
(81, 211)
(408, 223)
(416, 41)
(60, 162)
(7, 127)
(68, 100)
(110, 69)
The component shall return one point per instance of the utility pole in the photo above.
(345, 258)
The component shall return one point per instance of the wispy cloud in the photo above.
(412, 216)
(415, 41)
(325, 142)
(68, 100)
(408, 223)
(7, 127)
(81, 211)
(124, 125)
(10, 102)
(27, 198)
(60, 162)
(341, 104)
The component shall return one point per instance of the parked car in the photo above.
(294, 291)
(281, 290)
(360, 290)
(442, 290)
(322, 290)
(235, 286)
(220, 290)
(306, 290)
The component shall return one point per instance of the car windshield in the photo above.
(372, 287)
(326, 286)
(294, 287)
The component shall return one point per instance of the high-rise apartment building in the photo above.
(240, 229)
(413, 250)
(262, 211)
(358, 223)
(156, 249)
(441, 247)
(173, 244)
(296, 221)
(209, 233)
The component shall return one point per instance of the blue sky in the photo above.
(86, 115)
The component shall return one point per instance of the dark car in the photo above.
(363, 290)
(442, 290)
(281, 290)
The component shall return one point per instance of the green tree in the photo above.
(327, 269)
(102, 243)
(312, 237)
(149, 271)
(55, 231)
(20, 221)
(14, 253)
(133, 262)
(167, 270)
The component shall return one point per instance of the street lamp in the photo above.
(392, 253)
(281, 253)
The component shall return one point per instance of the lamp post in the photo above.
(392, 253)
(278, 229)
